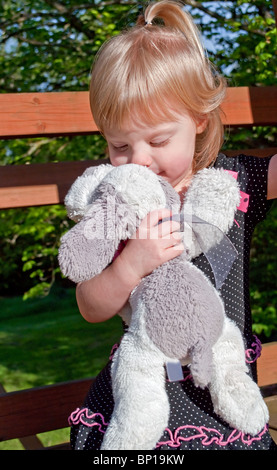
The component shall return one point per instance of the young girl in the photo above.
(156, 99)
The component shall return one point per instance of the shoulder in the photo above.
(260, 170)
(252, 174)
(252, 171)
(247, 163)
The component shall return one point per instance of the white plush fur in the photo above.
(141, 404)
(236, 398)
(77, 199)
(203, 203)
(132, 186)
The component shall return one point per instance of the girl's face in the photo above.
(166, 148)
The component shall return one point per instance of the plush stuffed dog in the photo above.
(175, 313)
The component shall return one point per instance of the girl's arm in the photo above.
(272, 178)
(103, 296)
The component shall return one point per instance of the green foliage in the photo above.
(241, 40)
(49, 45)
(45, 341)
(29, 242)
(263, 284)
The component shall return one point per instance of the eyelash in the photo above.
(120, 149)
(160, 144)
(123, 148)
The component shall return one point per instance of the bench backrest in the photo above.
(68, 113)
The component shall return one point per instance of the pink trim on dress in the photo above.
(120, 247)
(83, 416)
(209, 436)
(114, 348)
(205, 434)
(251, 355)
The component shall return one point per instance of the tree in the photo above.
(49, 45)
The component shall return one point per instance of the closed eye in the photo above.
(120, 148)
(160, 144)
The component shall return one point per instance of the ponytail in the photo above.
(174, 17)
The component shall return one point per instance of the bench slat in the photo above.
(250, 105)
(39, 183)
(47, 183)
(45, 114)
(68, 113)
(267, 365)
(33, 411)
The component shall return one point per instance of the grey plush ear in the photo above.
(80, 194)
(90, 246)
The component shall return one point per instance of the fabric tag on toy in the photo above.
(174, 370)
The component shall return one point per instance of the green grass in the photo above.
(46, 341)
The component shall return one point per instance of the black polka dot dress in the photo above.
(193, 424)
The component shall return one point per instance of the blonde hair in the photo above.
(155, 69)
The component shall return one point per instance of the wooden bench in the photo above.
(29, 412)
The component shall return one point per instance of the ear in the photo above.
(82, 257)
(80, 194)
(213, 196)
(90, 246)
(201, 124)
(109, 215)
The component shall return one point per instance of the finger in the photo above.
(148, 228)
(155, 217)
(173, 251)
(176, 249)
(177, 236)
(174, 240)
(170, 241)
(166, 228)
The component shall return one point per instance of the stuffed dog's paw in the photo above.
(239, 402)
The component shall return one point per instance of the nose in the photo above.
(141, 157)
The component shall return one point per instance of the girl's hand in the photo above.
(154, 243)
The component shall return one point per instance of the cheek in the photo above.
(117, 160)
(182, 159)
(181, 165)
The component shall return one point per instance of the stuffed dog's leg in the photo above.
(141, 409)
(236, 397)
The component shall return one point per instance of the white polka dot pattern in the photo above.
(193, 423)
